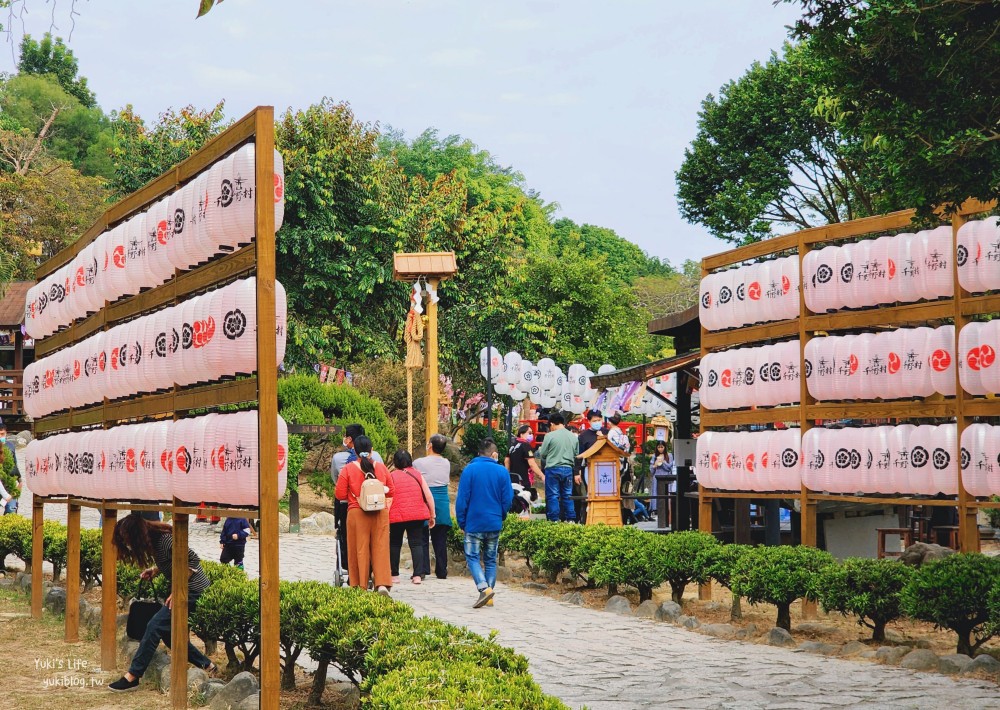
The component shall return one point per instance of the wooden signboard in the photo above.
(604, 500)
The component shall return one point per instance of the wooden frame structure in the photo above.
(962, 407)
(258, 258)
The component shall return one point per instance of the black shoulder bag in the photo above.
(140, 612)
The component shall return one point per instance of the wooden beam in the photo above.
(907, 409)
(72, 573)
(109, 591)
(897, 315)
(980, 305)
(876, 500)
(752, 251)
(267, 407)
(179, 636)
(711, 493)
(742, 417)
(37, 550)
(749, 334)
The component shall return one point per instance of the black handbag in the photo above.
(140, 612)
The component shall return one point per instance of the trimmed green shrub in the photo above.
(229, 611)
(555, 548)
(216, 571)
(868, 589)
(427, 638)
(456, 539)
(993, 607)
(717, 562)
(593, 539)
(127, 583)
(90, 557)
(778, 575)
(340, 632)
(7, 464)
(454, 686)
(953, 593)
(992, 514)
(298, 600)
(473, 435)
(303, 413)
(679, 552)
(14, 529)
(297, 456)
(511, 534)
(631, 557)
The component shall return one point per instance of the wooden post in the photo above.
(179, 612)
(37, 549)
(968, 526)
(807, 505)
(109, 591)
(705, 509)
(267, 398)
(431, 335)
(72, 573)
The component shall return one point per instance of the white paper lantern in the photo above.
(944, 462)
(937, 278)
(910, 267)
(490, 363)
(941, 346)
(988, 264)
(974, 462)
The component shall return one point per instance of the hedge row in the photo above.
(397, 659)
(960, 592)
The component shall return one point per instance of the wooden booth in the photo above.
(16, 351)
(604, 499)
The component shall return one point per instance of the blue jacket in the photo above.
(239, 526)
(484, 496)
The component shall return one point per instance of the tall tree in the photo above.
(917, 81)
(626, 261)
(50, 57)
(141, 153)
(762, 157)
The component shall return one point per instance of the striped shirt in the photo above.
(163, 553)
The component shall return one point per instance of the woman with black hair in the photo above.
(412, 508)
(150, 544)
(367, 531)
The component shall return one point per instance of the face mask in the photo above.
(596, 426)
(496, 457)
(529, 437)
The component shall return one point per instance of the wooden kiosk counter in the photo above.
(256, 259)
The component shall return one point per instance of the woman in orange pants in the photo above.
(367, 532)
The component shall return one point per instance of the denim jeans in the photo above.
(159, 630)
(558, 489)
(483, 574)
(11, 507)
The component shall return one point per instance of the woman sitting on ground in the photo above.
(150, 544)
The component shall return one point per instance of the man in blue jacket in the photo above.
(484, 497)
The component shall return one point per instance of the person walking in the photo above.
(662, 465)
(233, 541)
(587, 438)
(436, 470)
(337, 463)
(7, 449)
(558, 457)
(520, 459)
(144, 542)
(368, 531)
(412, 511)
(483, 499)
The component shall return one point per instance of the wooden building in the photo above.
(16, 350)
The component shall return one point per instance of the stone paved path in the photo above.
(609, 662)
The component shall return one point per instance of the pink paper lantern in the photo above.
(969, 252)
(901, 447)
(937, 280)
(741, 308)
(824, 287)
(921, 460)
(846, 290)
(814, 446)
(992, 457)
(788, 283)
(880, 270)
(857, 289)
(988, 263)
(989, 345)
(282, 457)
(941, 358)
(159, 231)
(703, 459)
(820, 367)
(974, 462)
(871, 366)
(281, 322)
(916, 365)
(279, 190)
(970, 354)
(944, 459)
(786, 459)
(846, 368)
(119, 283)
(725, 299)
(910, 267)
(709, 381)
(707, 293)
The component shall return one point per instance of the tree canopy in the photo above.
(917, 82)
(50, 57)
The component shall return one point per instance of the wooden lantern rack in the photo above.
(256, 259)
(962, 407)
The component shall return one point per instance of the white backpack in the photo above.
(371, 498)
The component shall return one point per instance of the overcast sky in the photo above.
(593, 101)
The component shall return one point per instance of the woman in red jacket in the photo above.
(367, 532)
(413, 507)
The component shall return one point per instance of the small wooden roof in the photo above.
(409, 266)
(601, 442)
(12, 304)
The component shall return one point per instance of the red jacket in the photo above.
(350, 479)
(408, 501)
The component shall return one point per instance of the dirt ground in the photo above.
(831, 628)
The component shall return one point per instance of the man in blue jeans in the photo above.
(483, 501)
(558, 456)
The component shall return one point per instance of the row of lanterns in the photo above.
(762, 376)
(202, 339)
(904, 459)
(903, 268)
(547, 385)
(211, 214)
(907, 362)
(213, 458)
(757, 293)
(749, 461)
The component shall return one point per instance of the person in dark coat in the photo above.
(588, 438)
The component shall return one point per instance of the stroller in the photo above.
(523, 497)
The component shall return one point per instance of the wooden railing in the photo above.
(11, 392)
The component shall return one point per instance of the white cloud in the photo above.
(454, 57)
